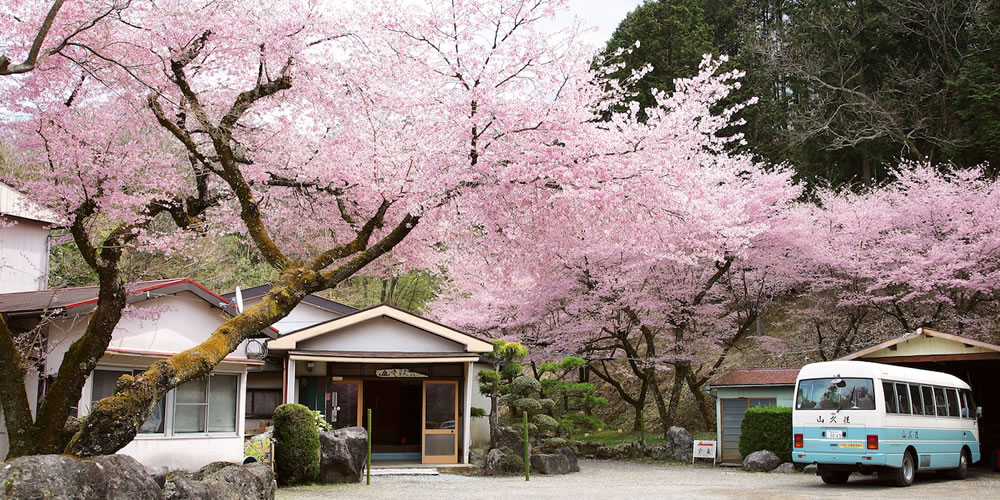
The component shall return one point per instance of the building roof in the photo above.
(969, 348)
(757, 376)
(13, 203)
(311, 299)
(290, 340)
(82, 300)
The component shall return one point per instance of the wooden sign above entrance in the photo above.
(397, 373)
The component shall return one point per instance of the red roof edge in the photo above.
(162, 285)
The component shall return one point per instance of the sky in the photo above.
(604, 14)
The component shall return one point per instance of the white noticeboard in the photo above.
(704, 449)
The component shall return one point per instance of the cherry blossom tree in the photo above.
(657, 269)
(334, 141)
(923, 250)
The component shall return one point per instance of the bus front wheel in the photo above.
(836, 477)
(903, 476)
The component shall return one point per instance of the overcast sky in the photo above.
(604, 14)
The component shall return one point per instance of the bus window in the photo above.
(918, 406)
(890, 397)
(940, 402)
(835, 394)
(928, 400)
(902, 393)
(969, 409)
(952, 402)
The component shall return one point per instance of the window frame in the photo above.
(121, 370)
(169, 400)
(208, 408)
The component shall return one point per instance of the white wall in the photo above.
(183, 321)
(381, 334)
(188, 453)
(24, 253)
(480, 426)
(302, 316)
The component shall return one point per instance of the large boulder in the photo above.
(110, 477)
(761, 461)
(680, 444)
(223, 481)
(785, 468)
(563, 462)
(494, 462)
(510, 439)
(342, 455)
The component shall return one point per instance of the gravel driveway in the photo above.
(612, 479)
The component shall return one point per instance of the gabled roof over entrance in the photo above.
(926, 344)
(291, 341)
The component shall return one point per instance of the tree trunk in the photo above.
(666, 415)
(707, 412)
(13, 398)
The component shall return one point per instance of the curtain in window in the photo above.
(222, 403)
(191, 406)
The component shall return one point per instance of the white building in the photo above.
(24, 242)
(198, 422)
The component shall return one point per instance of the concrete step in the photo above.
(404, 471)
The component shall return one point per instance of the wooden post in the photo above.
(368, 468)
(527, 450)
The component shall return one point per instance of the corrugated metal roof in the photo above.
(65, 298)
(82, 300)
(312, 299)
(15, 204)
(758, 376)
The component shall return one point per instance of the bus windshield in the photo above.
(835, 394)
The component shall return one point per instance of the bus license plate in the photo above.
(835, 434)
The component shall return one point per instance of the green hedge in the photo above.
(767, 428)
(296, 444)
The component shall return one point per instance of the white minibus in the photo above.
(854, 416)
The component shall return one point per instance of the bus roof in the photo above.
(864, 369)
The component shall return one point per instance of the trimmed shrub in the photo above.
(512, 464)
(532, 406)
(544, 422)
(296, 444)
(525, 385)
(767, 428)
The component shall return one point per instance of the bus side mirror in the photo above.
(979, 412)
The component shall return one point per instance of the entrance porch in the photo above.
(415, 377)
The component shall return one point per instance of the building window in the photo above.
(104, 381)
(207, 404)
(262, 402)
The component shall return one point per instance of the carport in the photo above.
(971, 360)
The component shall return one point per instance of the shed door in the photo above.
(732, 418)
